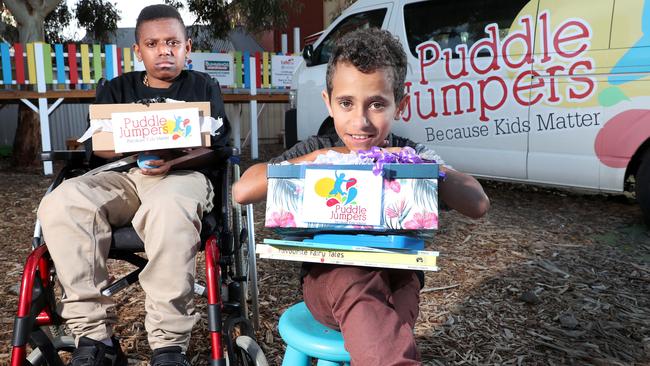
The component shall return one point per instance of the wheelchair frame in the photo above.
(229, 264)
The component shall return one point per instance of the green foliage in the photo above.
(55, 22)
(5, 151)
(260, 15)
(175, 3)
(254, 15)
(98, 17)
(215, 13)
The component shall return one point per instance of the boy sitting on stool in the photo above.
(375, 309)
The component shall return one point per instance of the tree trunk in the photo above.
(30, 18)
(27, 142)
(32, 30)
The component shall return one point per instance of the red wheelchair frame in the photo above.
(224, 248)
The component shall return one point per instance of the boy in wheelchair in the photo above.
(165, 208)
(375, 309)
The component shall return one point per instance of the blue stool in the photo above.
(306, 338)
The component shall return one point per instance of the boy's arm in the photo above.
(252, 185)
(463, 193)
(459, 191)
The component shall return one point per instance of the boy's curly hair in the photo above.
(368, 50)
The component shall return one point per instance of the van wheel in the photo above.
(643, 186)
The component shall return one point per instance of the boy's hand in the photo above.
(161, 166)
(393, 150)
(338, 149)
(314, 154)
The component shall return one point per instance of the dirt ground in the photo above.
(548, 277)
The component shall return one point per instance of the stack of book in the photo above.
(390, 251)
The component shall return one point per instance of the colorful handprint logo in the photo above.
(337, 190)
(178, 127)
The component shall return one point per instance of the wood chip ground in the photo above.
(548, 277)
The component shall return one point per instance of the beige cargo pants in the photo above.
(166, 213)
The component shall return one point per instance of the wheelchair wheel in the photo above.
(248, 352)
(252, 268)
(245, 253)
(235, 222)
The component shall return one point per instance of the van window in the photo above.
(456, 22)
(373, 18)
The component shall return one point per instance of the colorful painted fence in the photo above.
(73, 66)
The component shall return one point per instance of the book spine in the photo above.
(424, 262)
(342, 247)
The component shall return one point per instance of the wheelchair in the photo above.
(227, 240)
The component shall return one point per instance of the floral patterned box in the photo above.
(402, 199)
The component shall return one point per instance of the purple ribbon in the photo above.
(406, 155)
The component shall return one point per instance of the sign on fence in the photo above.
(282, 68)
(219, 66)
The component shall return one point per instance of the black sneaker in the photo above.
(90, 352)
(169, 356)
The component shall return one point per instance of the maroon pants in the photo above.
(375, 310)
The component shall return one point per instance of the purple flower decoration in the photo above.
(406, 155)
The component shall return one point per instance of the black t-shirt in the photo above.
(190, 86)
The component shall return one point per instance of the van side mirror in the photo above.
(307, 54)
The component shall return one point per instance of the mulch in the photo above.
(548, 277)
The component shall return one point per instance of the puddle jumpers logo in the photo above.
(179, 127)
(339, 193)
(481, 84)
(156, 125)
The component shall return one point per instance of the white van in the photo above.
(537, 91)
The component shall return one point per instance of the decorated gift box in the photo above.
(154, 126)
(391, 198)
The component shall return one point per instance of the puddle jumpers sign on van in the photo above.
(539, 91)
(476, 85)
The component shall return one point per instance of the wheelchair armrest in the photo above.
(203, 157)
(67, 155)
(226, 152)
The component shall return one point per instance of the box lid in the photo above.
(103, 111)
(391, 171)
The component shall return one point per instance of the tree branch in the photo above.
(43, 7)
(50, 5)
(35, 4)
